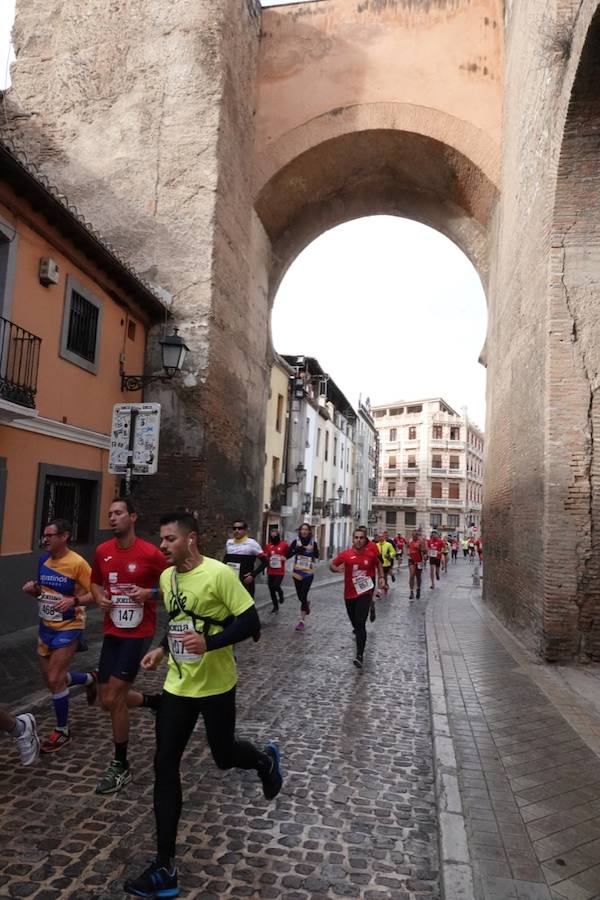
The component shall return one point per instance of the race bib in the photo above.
(362, 583)
(235, 567)
(125, 612)
(276, 561)
(303, 564)
(178, 651)
(47, 607)
(433, 554)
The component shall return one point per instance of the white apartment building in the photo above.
(319, 486)
(430, 468)
(366, 455)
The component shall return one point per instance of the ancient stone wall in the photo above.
(530, 558)
(143, 113)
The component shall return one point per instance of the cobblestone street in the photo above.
(356, 816)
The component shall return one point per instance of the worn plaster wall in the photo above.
(143, 113)
(532, 460)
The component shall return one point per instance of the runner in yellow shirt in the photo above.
(209, 611)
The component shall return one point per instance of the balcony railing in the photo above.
(346, 509)
(317, 505)
(19, 363)
(446, 501)
(410, 470)
(446, 472)
(382, 500)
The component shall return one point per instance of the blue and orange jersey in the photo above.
(63, 577)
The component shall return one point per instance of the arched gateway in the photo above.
(212, 142)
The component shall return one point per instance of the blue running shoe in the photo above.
(273, 780)
(156, 881)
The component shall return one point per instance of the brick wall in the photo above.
(536, 395)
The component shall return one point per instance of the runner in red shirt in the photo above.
(454, 546)
(125, 577)
(479, 548)
(276, 553)
(417, 554)
(361, 567)
(400, 542)
(435, 548)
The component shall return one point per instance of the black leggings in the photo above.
(274, 582)
(358, 610)
(175, 721)
(302, 589)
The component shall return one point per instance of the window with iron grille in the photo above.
(410, 517)
(390, 517)
(71, 499)
(82, 318)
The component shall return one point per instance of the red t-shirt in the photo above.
(400, 542)
(358, 569)
(415, 551)
(118, 570)
(278, 551)
(435, 547)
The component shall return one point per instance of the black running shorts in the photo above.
(120, 657)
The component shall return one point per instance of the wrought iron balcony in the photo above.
(19, 363)
(317, 505)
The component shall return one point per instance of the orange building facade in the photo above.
(71, 314)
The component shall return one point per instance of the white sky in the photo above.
(392, 310)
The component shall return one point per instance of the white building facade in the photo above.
(430, 468)
(320, 473)
(366, 455)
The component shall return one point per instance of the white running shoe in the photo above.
(28, 744)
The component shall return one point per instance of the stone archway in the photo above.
(572, 521)
(377, 159)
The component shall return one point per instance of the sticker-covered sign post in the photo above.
(134, 442)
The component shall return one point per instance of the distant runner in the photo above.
(305, 551)
(435, 548)
(275, 554)
(361, 567)
(241, 553)
(417, 554)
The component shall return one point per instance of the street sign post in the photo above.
(134, 441)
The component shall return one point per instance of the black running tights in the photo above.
(358, 610)
(274, 582)
(175, 721)
(302, 589)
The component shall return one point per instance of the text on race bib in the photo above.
(125, 612)
(235, 566)
(47, 607)
(433, 553)
(176, 646)
(303, 564)
(362, 583)
(276, 561)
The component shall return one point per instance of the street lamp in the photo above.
(173, 350)
(300, 475)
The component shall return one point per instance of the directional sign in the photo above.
(134, 439)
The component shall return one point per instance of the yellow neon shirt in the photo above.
(212, 589)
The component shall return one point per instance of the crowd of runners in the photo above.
(210, 608)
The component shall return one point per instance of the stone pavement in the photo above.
(526, 740)
(356, 817)
(516, 759)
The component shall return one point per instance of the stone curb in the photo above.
(456, 871)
